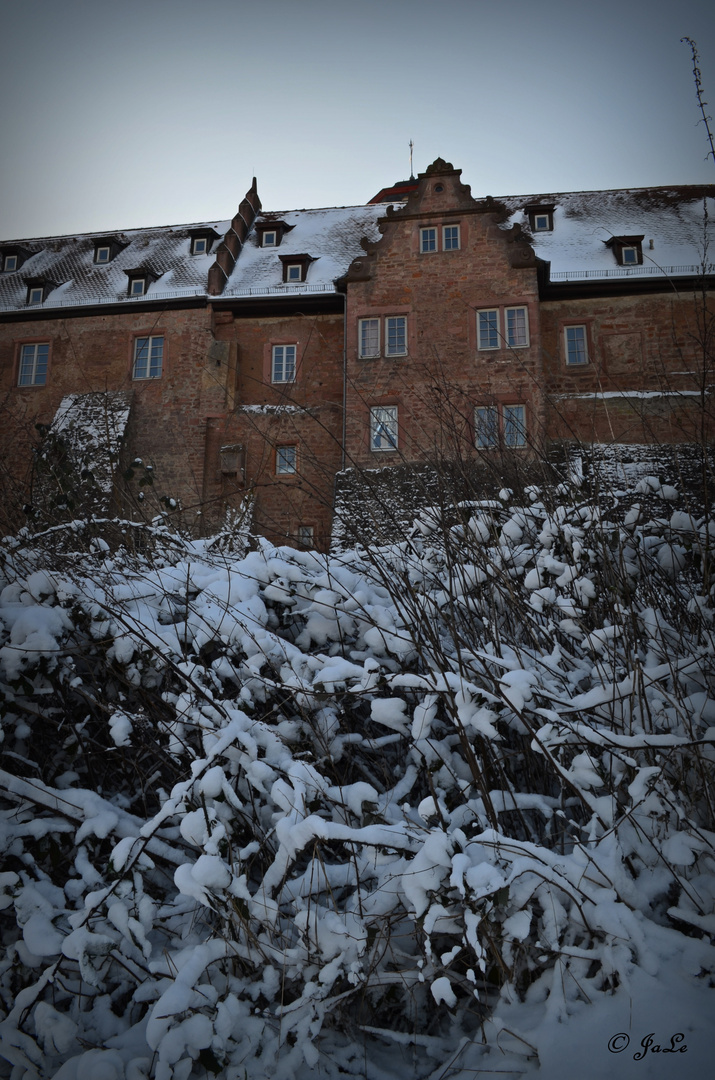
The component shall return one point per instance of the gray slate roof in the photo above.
(671, 217)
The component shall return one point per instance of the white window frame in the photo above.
(452, 247)
(542, 223)
(36, 295)
(575, 356)
(384, 428)
(9, 264)
(284, 362)
(199, 245)
(511, 342)
(150, 366)
(34, 361)
(137, 286)
(294, 273)
(269, 239)
(287, 460)
(398, 323)
(368, 328)
(493, 327)
(103, 254)
(514, 426)
(428, 240)
(628, 250)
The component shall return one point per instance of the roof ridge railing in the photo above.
(692, 269)
(176, 294)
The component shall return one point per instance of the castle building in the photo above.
(261, 357)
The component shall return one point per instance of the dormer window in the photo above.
(12, 257)
(202, 240)
(295, 268)
(106, 248)
(541, 217)
(38, 289)
(139, 281)
(627, 249)
(270, 233)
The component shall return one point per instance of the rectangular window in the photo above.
(383, 427)
(10, 263)
(517, 327)
(35, 295)
(148, 357)
(33, 365)
(369, 331)
(542, 223)
(514, 425)
(286, 460)
(306, 536)
(486, 426)
(488, 432)
(199, 245)
(488, 329)
(428, 240)
(294, 272)
(576, 351)
(283, 365)
(101, 254)
(268, 239)
(396, 335)
(137, 286)
(450, 238)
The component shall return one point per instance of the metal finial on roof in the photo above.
(412, 175)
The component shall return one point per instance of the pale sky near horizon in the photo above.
(122, 113)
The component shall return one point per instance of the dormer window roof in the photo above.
(627, 249)
(12, 256)
(270, 232)
(541, 216)
(38, 289)
(106, 248)
(295, 268)
(139, 280)
(202, 240)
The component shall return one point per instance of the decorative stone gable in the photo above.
(442, 320)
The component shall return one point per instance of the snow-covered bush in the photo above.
(289, 813)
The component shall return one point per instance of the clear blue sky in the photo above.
(121, 113)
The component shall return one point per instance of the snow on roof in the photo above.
(331, 236)
(673, 219)
(68, 262)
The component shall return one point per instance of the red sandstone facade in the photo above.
(447, 332)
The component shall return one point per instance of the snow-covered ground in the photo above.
(442, 808)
